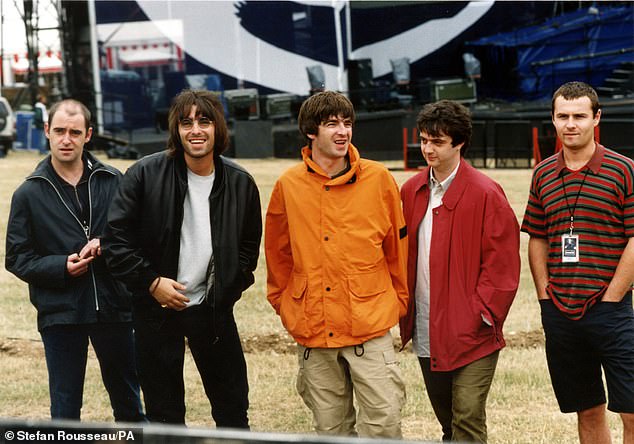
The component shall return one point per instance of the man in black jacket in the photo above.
(184, 234)
(57, 216)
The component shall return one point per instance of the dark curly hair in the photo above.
(449, 118)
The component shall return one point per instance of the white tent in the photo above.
(46, 64)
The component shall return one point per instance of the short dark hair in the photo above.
(208, 105)
(576, 90)
(69, 104)
(449, 118)
(320, 107)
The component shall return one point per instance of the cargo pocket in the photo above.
(293, 307)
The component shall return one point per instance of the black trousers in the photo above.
(218, 356)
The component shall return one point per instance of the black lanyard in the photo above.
(572, 210)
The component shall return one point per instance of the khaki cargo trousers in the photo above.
(331, 380)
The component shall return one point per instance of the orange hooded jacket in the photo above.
(336, 253)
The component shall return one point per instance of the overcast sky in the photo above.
(13, 35)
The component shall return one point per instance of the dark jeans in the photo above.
(66, 349)
(218, 356)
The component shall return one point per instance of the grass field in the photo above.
(521, 407)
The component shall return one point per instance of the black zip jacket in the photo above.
(43, 230)
(142, 240)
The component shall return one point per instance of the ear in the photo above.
(597, 118)
(88, 134)
(46, 130)
(311, 136)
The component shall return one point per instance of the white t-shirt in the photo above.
(195, 245)
(42, 107)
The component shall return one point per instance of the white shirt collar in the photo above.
(445, 183)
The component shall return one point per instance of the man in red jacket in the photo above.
(463, 271)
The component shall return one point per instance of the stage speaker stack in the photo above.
(287, 141)
(360, 83)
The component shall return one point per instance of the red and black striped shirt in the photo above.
(603, 219)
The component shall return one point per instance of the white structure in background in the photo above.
(213, 35)
(150, 48)
(48, 63)
(13, 40)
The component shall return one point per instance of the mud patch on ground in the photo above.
(284, 343)
(271, 343)
(525, 339)
(277, 343)
(21, 347)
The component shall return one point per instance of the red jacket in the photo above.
(474, 266)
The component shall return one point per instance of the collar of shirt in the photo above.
(436, 186)
(594, 164)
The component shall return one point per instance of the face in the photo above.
(67, 135)
(197, 135)
(332, 139)
(575, 122)
(439, 153)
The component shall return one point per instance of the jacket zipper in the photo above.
(85, 229)
(212, 223)
(213, 287)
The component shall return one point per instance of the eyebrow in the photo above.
(72, 130)
(430, 137)
(580, 113)
(337, 119)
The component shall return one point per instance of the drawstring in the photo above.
(359, 351)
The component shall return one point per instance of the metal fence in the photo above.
(15, 430)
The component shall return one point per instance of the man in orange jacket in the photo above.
(336, 251)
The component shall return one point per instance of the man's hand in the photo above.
(92, 248)
(76, 266)
(167, 292)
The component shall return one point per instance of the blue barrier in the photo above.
(24, 130)
(27, 135)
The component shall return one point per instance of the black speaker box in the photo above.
(287, 142)
(360, 82)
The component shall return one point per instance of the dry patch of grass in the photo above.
(522, 407)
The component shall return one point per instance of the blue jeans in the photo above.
(66, 350)
(40, 141)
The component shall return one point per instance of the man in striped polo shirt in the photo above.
(580, 218)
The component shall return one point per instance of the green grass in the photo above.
(521, 409)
